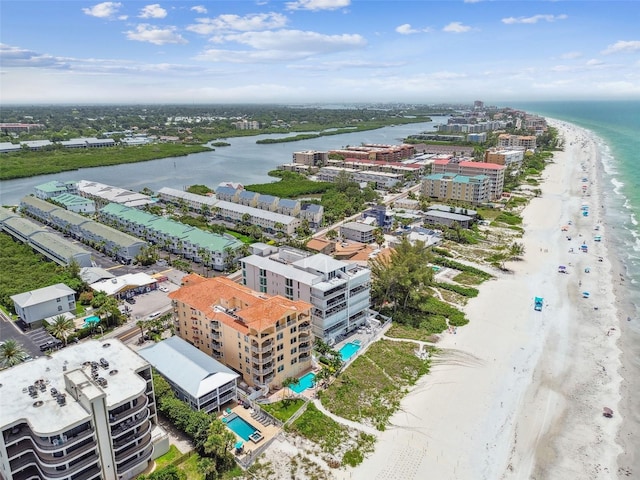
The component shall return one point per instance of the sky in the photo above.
(317, 51)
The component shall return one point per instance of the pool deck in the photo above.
(267, 432)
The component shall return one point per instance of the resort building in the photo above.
(54, 188)
(85, 412)
(312, 158)
(8, 147)
(196, 203)
(195, 377)
(358, 232)
(382, 180)
(504, 157)
(215, 251)
(45, 302)
(52, 246)
(272, 222)
(75, 203)
(453, 187)
(461, 167)
(402, 168)
(382, 215)
(103, 194)
(19, 127)
(264, 338)
(122, 246)
(527, 142)
(339, 291)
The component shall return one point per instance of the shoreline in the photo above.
(520, 393)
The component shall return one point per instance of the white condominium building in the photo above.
(339, 291)
(85, 412)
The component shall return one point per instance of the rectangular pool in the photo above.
(348, 350)
(240, 426)
(303, 383)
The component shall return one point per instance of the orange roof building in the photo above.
(264, 338)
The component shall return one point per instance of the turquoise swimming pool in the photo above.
(304, 382)
(348, 350)
(240, 426)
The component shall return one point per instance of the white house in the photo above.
(44, 302)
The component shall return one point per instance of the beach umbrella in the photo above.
(607, 412)
(585, 294)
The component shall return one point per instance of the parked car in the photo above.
(130, 300)
(163, 289)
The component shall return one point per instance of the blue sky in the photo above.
(302, 51)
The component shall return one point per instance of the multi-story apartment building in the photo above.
(358, 232)
(340, 292)
(55, 188)
(75, 203)
(251, 203)
(196, 203)
(103, 194)
(49, 244)
(451, 186)
(85, 412)
(215, 251)
(504, 157)
(382, 180)
(312, 158)
(527, 142)
(471, 169)
(371, 151)
(114, 242)
(264, 338)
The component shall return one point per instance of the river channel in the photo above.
(244, 161)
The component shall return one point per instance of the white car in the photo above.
(163, 289)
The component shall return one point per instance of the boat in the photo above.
(538, 304)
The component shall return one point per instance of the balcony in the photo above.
(304, 347)
(128, 425)
(48, 471)
(116, 418)
(49, 458)
(262, 380)
(25, 437)
(132, 437)
(304, 327)
(266, 347)
(128, 465)
(304, 357)
(134, 449)
(266, 357)
(215, 334)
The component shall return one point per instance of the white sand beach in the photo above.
(519, 394)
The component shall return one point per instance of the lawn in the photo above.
(168, 457)
(320, 429)
(284, 409)
(468, 278)
(371, 388)
(406, 331)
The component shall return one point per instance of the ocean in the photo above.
(616, 125)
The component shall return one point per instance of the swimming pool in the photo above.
(304, 382)
(348, 350)
(240, 426)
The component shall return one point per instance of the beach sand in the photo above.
(519, 394)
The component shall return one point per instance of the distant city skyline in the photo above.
(316, 51)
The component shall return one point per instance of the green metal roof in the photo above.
(69, 199)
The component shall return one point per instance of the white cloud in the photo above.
(346, 64)
(153, 11)
(407, 29)
(472, 1)
(123, 17)
(103, 10)
(316, 5)
(623, 46)
(534, 19)
(156, 35)
(594, 63)
(571, 55)
(281, 45)
(20, 57)
(456, 27)
(199, 9)
(237, 23)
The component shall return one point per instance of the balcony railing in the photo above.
(266, 357)
(142, 403)
(304, 327)
(128, 465)
(263, 371)
(133, 449)
(25, 437)
(303, 348)
(130, 424)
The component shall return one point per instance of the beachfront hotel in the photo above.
(85, 412)
(266, 339)
(339, 291)
(526, 142)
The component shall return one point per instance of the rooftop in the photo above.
(187, 367)
(16, 405)
(41, 295)
(359, 227)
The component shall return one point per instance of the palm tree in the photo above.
(61, 328)
(12, 353)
